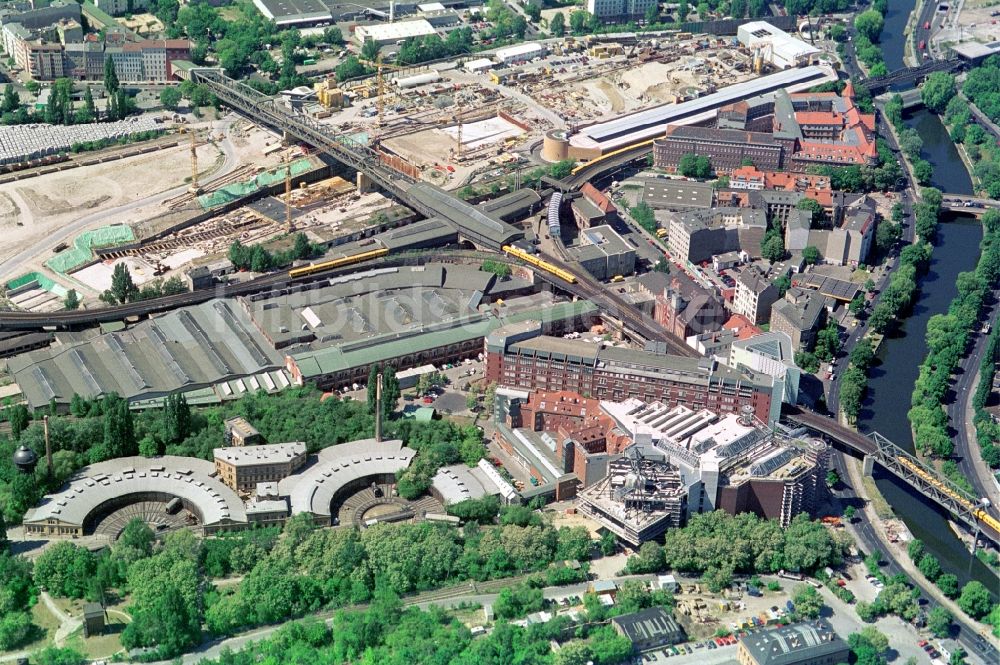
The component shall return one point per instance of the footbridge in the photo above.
(876, 449)
(384, 170)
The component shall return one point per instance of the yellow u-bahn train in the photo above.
(314, 268)
(531, 259)
(979, 513)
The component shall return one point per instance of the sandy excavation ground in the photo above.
(633, 89)
(31, 210)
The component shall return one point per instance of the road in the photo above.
(960, 413)
(868, 540)
(13, 264)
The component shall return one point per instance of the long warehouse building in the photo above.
(602, 138)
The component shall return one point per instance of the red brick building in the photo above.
(517, 358)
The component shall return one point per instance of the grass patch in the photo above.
(881, 506)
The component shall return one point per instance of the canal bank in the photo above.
(891, 381)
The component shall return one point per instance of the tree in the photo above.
(939, 621)
(869, 24)
(370, 50)
(111, 83)
(923, 171)
(371, 389)
(653, 13)
(177, 417)
(937, 91)
(849, 513)
(948, 584)
(122, 289)
(773, 247)
(534, 11)
(72, 300)
(119, 429)
(807, 600)
(783, 283)
(11, 102)
(694, 166)
(810, 254)
(18, 417)
(813, 206)
(578, 21)
(975, 600)
(65, 570)
(557, 26)
(170, 98)
(174, 286)
(929, 567)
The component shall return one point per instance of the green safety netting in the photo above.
(80, 252)
(43, 282)
(240, 189)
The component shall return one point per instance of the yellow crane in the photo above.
(380, 66)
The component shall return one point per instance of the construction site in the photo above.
(455, 124)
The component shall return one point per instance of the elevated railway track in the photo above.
(876, 449)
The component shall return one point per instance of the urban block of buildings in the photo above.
(242, 467)
(521, 357)
(640, 468)
(49, 43)
(781, 130)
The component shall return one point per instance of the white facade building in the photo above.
(780, 48)
(770, 353)
(520, 53)
(391, 33)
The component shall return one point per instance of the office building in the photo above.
(242, 467)
(521, 358)
(770, 353)
(811, 643)
(638, 499)
(776, 46)
(685, 308)
(385, 34)
(603, 253)
(726, 149)
(727, 461)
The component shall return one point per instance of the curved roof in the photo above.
(188, 478)
(313, 490)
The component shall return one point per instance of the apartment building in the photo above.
(620, 11)
(755, 293)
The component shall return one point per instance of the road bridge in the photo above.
(876, 449)
(910, 76)
(377, 167)
(970, 205)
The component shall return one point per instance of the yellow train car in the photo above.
(533, 260)
(980, 514)
(336, 263)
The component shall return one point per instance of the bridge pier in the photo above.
(868, 466)
(286, 139)
(364, 183)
